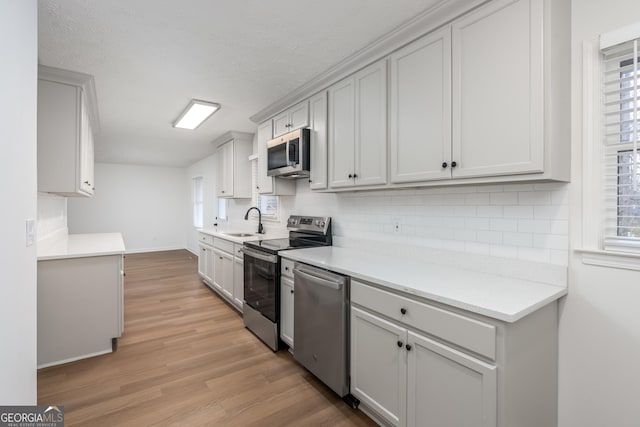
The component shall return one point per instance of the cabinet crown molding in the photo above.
(435, 15)
(232, 134)
(74, 78)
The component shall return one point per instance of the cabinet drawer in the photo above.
(287, 268)
(237, 251)
(472, 334)
(207, 239)
(223, 245)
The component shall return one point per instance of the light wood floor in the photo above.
(186, 359)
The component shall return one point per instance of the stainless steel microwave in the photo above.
(288, 155)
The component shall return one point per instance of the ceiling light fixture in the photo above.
(195, 113)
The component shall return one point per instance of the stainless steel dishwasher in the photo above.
(321, 326)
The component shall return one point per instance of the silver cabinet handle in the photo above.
(318, 280)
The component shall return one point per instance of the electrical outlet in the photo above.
(397, 224)
(31, 232)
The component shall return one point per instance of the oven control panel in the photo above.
(317, 224)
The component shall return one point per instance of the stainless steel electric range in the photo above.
(261, 309)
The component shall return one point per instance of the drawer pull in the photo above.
(403, 311)
(286, 268)
(291, 290)
(400, 344)
(408, 347)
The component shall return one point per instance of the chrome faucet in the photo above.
(246, 217)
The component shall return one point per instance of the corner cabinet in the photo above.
(234, 168)
(266, 184)
(67, 120)
(419, 363)
(358, 128)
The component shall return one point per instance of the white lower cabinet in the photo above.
(221, 266)
(447, 387)
(418, 363)
(238, 281)
(379, 365)
(411, 380)
(286, 311)
(223, 272)
(80, 307)
(286, 302)
(205, 263)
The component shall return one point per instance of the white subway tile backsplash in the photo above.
(534, 198)
(520, 222)
(539, 226)
(518, 239)
(490, 211)
(504, 224)
(504, 198)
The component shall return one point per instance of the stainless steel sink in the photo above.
(239, 234)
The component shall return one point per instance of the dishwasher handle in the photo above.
(319, 280)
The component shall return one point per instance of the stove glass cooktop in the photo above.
(275, 245)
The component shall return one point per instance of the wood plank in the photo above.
(185, 358)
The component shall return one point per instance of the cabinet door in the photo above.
(299, 116)
(379, 365)
(238, 282)
(210, 268)
(86, 150)
(218, 269)
(342, 133)
(318, 126)
(421, 109)
(202, 261)
(265, 182)
(371, 125)
(286, 310)
(498, 94)
(225, 170)
(223, 273)
(447, 387)
(281, 124)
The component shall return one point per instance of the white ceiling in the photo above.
(150, 57)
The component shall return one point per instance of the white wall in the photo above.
(206, 168)
(52, 216)
(147, 204)
(18, 109)
(600, 318)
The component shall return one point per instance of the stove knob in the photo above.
(322, 224)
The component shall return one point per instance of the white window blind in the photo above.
(622, 160)
(198, 202)
(268, 205)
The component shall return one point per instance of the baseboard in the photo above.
(192, 251)
(161, 249)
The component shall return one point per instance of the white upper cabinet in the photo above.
(358, 128)
(420, 118)
(67, 118)
(269, 184)
(234, 168)
(318, 126)
(294, 118)
(498, 90)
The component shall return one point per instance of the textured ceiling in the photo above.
(150, 57)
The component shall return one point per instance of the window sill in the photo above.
(623, 260)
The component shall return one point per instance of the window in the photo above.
(198, 203)
(222, 210)
(268, 205)
(621, 78)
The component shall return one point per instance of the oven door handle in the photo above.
(318, 280)
(273, 259)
